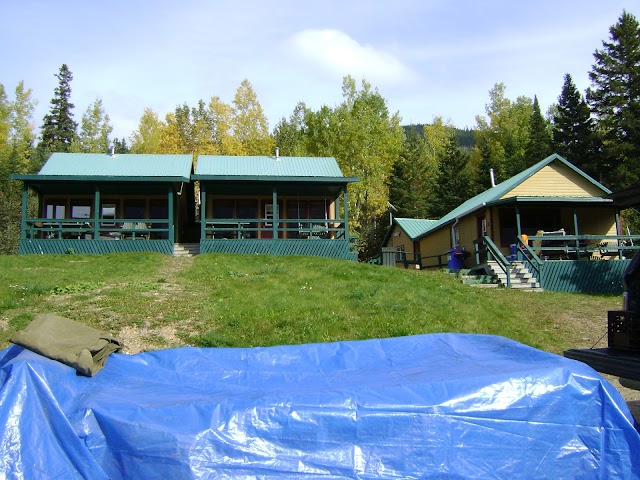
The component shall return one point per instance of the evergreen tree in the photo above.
(615, 102)
(452, 182)
(120, 146)
(290, 135)
(59, 128)
(412, 179)
(486, 167)
(539, 144)
(573, 129)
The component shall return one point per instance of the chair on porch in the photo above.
(128, 233)
(142, 231)
(608, 249)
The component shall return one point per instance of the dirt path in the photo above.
(153, 336)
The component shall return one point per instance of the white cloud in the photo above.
(336, 54)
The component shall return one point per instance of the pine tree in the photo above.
(486, 167)
(615, 102)
(289, 135)
(120, 146)
(573, 129)
(59, 128)
(452, 182)
(412, 179)
(539, 144)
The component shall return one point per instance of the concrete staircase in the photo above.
(186, 249)
(519, 274)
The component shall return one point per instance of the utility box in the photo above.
(623, 327)
(389, 255)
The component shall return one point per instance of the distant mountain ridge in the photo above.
(466, 136)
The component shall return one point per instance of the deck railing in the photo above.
(107, 229)
(291, 228)
(577, 247)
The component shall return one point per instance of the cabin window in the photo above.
(108, 212)
(160, 210)
(247, 209)
(268, 214)
(456, 236)
(297, 210)
(81, 208)
(223, 209)
(134, 209)
(55, 209)
(317, 210)
(80, 211)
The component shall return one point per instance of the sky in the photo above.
(426, 58)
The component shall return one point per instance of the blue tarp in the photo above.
(445, 406)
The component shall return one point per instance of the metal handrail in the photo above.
(493, 251)
(530, 258)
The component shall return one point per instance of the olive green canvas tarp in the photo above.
(79, 346)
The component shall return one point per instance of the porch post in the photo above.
(618, 229)
(518, 226)
(345, 206)
(336, 213)
(23, 221)
(170, 215)
(276, 213)
(203, 212)
(577, 232)
(96, 213)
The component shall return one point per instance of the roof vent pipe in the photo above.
(277, 154)
(492, 175)
(111, 151)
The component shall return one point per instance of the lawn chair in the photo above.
(143, 231)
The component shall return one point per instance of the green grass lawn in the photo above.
(243, 301)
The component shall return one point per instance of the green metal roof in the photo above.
(119, 167)
(415, 227)
(256, 168)
(493, 195)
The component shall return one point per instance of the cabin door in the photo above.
(267, 212)
(482, 231)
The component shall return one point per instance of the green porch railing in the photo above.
(295, 228)
(90, 229)
(576, 247)
(484, 246)
(569, 264)
(326, 237)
